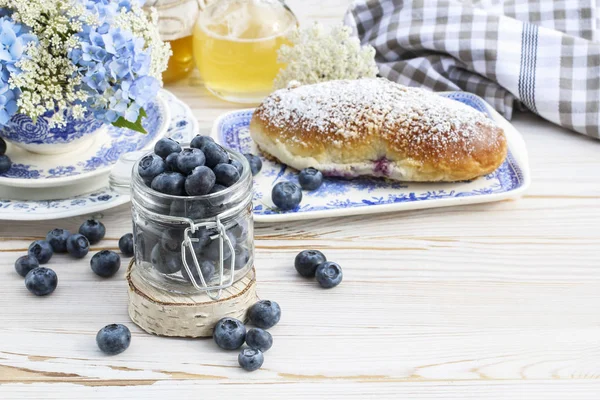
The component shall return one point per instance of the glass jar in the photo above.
(186, 244)
(236, 44)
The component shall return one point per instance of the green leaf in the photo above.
(135, 126)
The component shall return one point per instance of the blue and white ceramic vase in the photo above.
(40, 138)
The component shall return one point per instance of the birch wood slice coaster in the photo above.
(171, 314)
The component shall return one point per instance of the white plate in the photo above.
(340, 197)
(182, 127)
(31, 170)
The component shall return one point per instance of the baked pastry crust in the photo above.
(376, 127)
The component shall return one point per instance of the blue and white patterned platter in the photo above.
(32, 170)
(182, 126)
(340, 197)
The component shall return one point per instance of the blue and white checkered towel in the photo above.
(540, 54)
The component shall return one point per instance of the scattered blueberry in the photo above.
(2, 147)
(217, 188)
(307, 261)
(166, 146)
(329, 274)
(93, 230)
(58, 239)
(264, 314)
(24, 264)
(166, 262)
(200, 141)
(78, 245)
(259, 339)
(229, 333)
(207, 268)
(105, 263)
(255, 163)
(113, 339)
(310, 179)
(169, 183)
(150, 167)
(126, 244)
(286, 195)
(189, 159)
(41, 281)
(41, 250)
(5, 163)
(200, 181)
(238, 165)
(251, 359)
(214, 154)
(226, 174)
(171, 162)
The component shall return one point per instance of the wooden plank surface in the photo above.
(491, 301)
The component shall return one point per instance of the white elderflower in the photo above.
(319, 55)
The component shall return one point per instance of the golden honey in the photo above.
(181, 62)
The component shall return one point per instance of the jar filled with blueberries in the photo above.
(192, 217)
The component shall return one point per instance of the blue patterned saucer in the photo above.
(32, 170)
(340, 197)
(182, 126)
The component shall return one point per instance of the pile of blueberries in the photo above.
(5, 162)
(203, 168)
(287, 195)
(230, 334)
(42, 281)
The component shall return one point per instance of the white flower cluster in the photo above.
(319, 55)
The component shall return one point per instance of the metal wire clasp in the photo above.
(187, 243)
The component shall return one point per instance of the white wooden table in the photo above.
(496, 301)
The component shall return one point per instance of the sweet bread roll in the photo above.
(379, 128)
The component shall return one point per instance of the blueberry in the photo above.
(93, 230)
(229, 333)
(189, 159)
(241, 258)
(193, 210)
(255, 163)
(41, 250)
(150, 167)
(238, 165)
(171, 162)
(264, 314)
(251, 359)
(200, 181)
(214, 154)
(240, 231)
(166, 262)
(329, 274)
(41, 281)
(217, 188)
(169, 183)
(78, 245)
(211, 251)
(58, 239)
(286, 195)
(200, 141)
(307, 261)
(166, 146)
(2, 147)
(226, 174)
(259, 339)
(170, 240)
(310, 179)
(5, 163)
(24, 264)
(207, 268)
(126, 245)
(113, 339)
(105, 263)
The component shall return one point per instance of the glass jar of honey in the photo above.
(235, 44)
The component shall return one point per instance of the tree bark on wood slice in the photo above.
(171, 314)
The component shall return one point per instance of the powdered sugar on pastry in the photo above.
(376, 127)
